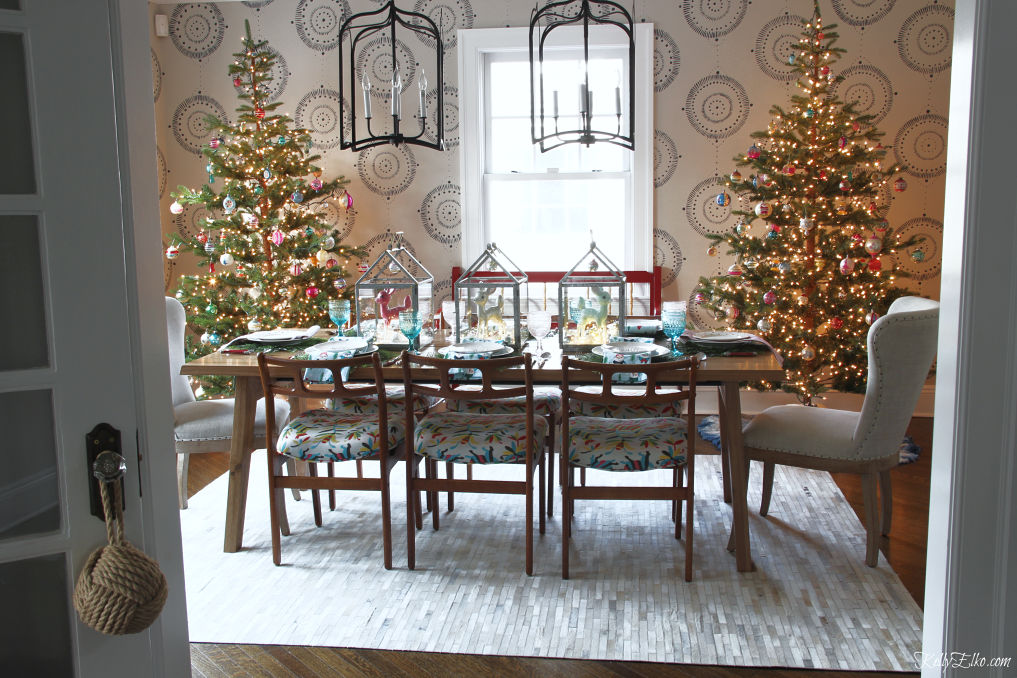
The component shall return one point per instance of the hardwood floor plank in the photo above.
(268, 662)
(288, 658)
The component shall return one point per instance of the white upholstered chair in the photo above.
(901, 347)
(201, 425)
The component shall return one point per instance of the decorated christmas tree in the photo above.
(269, 258)
(814, 254)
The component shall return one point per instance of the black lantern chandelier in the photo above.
(369, 46)
(548, 128)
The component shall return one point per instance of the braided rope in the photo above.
(120, 589)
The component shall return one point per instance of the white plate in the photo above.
(718, 336)
(656, 349)
(502, 350)
(629, 347)
(279, 336)
(343, 344)
(476, 347)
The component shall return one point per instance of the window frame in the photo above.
(474, 46)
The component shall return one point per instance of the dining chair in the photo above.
(901, 347)
(546, 403)
(202, 425)
(460, 436)
(325, 435)
(615, 444)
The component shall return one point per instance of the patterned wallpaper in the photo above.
(719, 65)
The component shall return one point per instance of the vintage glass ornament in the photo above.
(328, 243)
(254, 325)
(762, 210)
(278, 237)
(296, 269)
(712, 250)
(210, 245)
(339, 283)
(237, 81)
(836, 323)
(809, 113)
(790, 170)
(214, 339)
(202, 237)
(784, 267)
(723, 199)
(871, 317)
(875, 265)
(882, 226)
(321, 256)
(753, 152)
(734, 270)
(172, 252)
(918, 255)
(176, 207)
(211, 308)
(772, 235)
(699, 298)
(900, 185)
(331, 261)
(808, 353)
(205, 338)
(845, 185)
(764, 325)
(267, 174)
(316, 184)
(213, 142)
(806, 224)
(802, 300)
(736, 176)
(750, 263)
(228, 204)
(312, 292)
(873, 245)
(297, 197)
(259, 112)
(281, 140)
(847, 265)
(824, 70)
(842, 142)
(770, 297)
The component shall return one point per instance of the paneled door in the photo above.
(67, 357)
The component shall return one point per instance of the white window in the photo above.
(540, 208)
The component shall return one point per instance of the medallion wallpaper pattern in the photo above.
(718, 67)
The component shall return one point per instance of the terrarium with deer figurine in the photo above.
(494, 290)
(396, 282)
(591, 302)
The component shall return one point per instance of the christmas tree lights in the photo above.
(269, 258)
(820, 269)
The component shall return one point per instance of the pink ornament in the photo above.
(176, 207)
(836, 323)
(699, 298)
(330, 263)
(824, 70)
(900, 185)
(316, 184)
(312, 292)
(842, 142)
(875, 265)
(346, 200)
(773, 227)
(770, 297)
(822, 175)
(237, 81)
(789, 170)
(753, 152)
(296, 269)
(762, 210)
(213, 142)
(278, 237)
(857, 238)
(847, 265)
(855, 126)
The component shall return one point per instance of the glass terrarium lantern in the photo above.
(494, 290)
(395, 282)
(591, 302)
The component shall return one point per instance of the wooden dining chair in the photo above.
(901, 347)
(202, 425)
(607, 443)
(325, 435)
(459, 436)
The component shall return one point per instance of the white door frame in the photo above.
(970, 602)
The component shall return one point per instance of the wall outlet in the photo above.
(162, 25)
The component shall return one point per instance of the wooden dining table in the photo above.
(726, 373)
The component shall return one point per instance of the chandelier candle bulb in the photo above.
(554, 99)
(582, 98)
(422, 86)
(365, 84)
(397, 89)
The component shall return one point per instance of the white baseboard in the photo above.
(754, 402)
(28, 498)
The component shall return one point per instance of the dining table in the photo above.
(725, 372)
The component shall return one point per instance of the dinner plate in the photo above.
(718, 336)
(655, 349)
(476, 347)
(343, 344)
(500, 351)
(280, 336)
(629, 347)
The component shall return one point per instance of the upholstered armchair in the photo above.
(901, 348)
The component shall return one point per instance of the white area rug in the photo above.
(811, 603)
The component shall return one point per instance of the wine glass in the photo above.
(539, 324)
(410, 324)
(339, 313)
(674, 324)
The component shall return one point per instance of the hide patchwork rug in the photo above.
(810, 603)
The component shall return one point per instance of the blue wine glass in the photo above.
(339, 313)
(674, 326)
(410, 324)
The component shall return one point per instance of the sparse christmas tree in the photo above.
(271, 260)
(814, 254)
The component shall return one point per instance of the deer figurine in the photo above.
(388, 313)
(595, 313)
(488, 316)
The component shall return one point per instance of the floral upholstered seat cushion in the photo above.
(326, 435)
(627, 444)
(546, 402)
(395, 397)
(626, 411)
(465, 437)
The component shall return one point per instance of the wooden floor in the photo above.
(905, 551)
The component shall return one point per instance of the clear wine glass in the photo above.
(410, 324)
(448, 313)
(674, 325)
(339, 313)
(539, 324)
